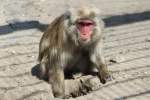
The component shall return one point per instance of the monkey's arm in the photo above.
(98, 61)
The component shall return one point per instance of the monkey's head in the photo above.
(84, 25)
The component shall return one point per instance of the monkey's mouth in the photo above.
(85, 28)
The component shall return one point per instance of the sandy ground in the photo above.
(127, 41)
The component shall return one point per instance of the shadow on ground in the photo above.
(35, 71)
(126, 18)
(133, 95)
(18, 26)
(109, 21)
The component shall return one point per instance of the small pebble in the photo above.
(13, 52)
(117, 59)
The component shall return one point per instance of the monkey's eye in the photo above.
(85, 23)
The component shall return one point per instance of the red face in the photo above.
(85, 28)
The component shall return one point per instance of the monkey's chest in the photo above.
(79, 59)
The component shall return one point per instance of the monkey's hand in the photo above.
(105, 76)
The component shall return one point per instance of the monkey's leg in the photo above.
(56, 78)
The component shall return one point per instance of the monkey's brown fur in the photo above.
(62, 47)
(53, 37)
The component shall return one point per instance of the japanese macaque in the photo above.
(73, 41)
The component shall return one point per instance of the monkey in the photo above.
(73, 41)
